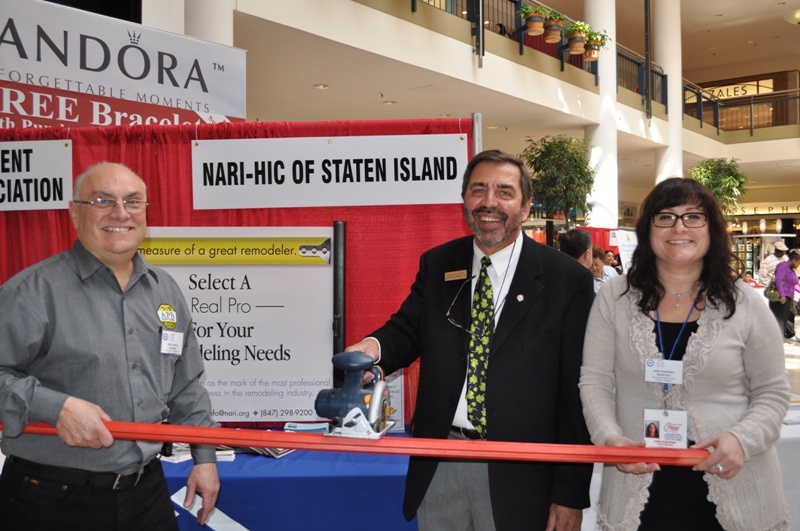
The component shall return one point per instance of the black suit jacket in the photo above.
(532, 381)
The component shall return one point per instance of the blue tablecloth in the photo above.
(306, 490)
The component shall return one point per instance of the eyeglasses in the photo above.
(104, 204)
(691, 220)
(451, 320)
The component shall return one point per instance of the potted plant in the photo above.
(561, 175)
(553, 24)
(576, 36)
(594, 41)
(533, 17)
(725, 181)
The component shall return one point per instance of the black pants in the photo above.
(783, 313)
(31, 503)
(678, 501)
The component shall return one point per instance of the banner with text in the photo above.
(45, 44)
(24, 105)
(35, 175)
(328, 171)
(262, 304)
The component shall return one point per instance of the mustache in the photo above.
(486, 210)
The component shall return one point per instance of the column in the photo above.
(210, 20)
(602, 138)
(165, 15)
(667, 54)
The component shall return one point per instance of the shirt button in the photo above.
(130, 330)
(134, 366)
(138, 402)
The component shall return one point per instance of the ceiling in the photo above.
(284, 64)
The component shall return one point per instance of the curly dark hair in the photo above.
(718, 278)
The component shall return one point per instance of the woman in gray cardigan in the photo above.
(680, 306)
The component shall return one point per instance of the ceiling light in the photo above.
(444, 116)
(390, 102)
(793, 17)
(491, 127)
(321, 86)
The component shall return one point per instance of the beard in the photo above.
(491, 238)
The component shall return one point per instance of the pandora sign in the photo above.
(52, 46)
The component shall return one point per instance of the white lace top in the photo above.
(734, 380)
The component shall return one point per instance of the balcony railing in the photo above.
(745, 113)
(754, 112)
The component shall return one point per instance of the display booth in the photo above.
(383, 242)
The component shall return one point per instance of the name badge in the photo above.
(455, 275)
(665, 428)
(172, 343)
(663, 371)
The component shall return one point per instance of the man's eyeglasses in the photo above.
(691, 220)
(451, 320)
(102, 203)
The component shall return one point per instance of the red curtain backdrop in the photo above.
(383, 242)
(601, 237)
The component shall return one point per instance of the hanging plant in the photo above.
(594, 41)
(576, 36)
(553, 24)
(533, 17)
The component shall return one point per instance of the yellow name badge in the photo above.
(455, 275)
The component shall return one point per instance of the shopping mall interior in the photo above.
(724, 82)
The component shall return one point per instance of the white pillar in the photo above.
(602, 138)
(210, 20)
(165, 15)
(667, 54)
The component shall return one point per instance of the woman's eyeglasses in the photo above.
(691, 220)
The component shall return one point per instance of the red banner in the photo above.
(23, 105)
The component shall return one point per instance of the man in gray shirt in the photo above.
(89, 335)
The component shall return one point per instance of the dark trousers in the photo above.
(679, 501)
(783, 313)
(31, 502)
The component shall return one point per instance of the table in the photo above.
(338, 490)
(303, 490)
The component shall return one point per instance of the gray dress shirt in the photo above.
(67, 329)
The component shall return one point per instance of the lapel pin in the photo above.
(520, 298)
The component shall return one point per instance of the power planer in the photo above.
(357, 409)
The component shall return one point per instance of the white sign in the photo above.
(262, 304)
(49, 45)
(626, 243)
(35, 175)
(328, 171)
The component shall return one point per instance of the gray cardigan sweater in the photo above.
(734, 380)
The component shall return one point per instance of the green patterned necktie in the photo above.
(481, 331)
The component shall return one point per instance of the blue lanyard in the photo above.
(677, 339)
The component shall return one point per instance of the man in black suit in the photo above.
(541, 303)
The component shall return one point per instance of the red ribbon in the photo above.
(450, 448)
